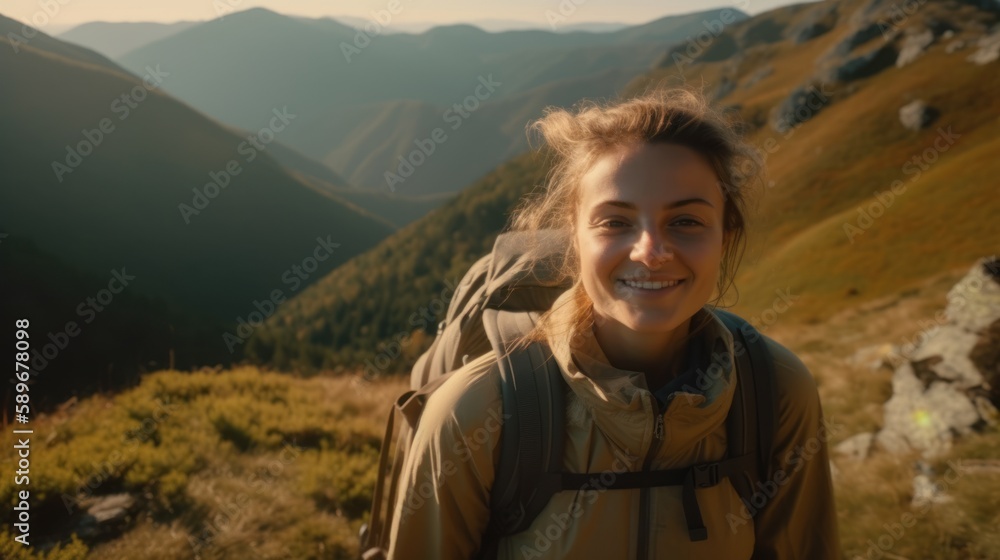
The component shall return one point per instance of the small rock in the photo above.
(104, 515)
(954, 46)
(974, 302)
(989, 49)
(926, 492)
(856, 447)
(913, 46)
(915, 115)
(111, 508)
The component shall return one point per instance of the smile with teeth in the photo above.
(646, 285)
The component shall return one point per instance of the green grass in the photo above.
(249, 463)
(239, 462)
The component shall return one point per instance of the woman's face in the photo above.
(649, 234)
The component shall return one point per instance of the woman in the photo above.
(652, 193)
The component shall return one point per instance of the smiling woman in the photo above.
(650, 238)
(649, 197)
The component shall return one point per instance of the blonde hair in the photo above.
(577, 138)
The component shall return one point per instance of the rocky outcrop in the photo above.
(717, 49)
(945, 386)
(818, 23)
(800, 106)
(954, 46)
(867, 64)
(856, 38)
(764, 32)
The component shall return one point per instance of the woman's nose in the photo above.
(650, 249)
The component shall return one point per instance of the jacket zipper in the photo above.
(644, 498)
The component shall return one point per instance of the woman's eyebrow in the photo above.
(668, 206)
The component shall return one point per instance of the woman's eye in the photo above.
(613, 224)
(687, 222)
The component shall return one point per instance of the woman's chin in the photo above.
(648, 322)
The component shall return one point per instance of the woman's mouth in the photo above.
(647, 286)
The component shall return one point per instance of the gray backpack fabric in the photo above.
(495, 304)
(508, 278)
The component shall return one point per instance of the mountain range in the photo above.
(857, 205)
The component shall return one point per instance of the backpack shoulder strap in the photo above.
(532, 438)
(752, 418)
(532, 443)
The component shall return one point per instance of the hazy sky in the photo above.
(410, 11)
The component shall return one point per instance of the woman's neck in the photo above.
(657, 354)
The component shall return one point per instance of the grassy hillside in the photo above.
(365, 109)
(398, 288)
(117, 202)
(248, 463)
(19, 34)
(399, 209)
(216, 464)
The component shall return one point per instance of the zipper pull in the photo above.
(658, 427)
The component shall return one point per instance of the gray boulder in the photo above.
(988, 49)
(915, 115)
(925, 490)
(913, 46)
(954, 46)
(105, 515)
(945, 387)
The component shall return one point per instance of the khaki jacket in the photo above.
(443, 507)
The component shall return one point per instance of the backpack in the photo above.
(498, 301)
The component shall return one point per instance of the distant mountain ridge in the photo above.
(113, 172)
(114, 39)
(346, 80)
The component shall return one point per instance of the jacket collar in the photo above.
(621, 403)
